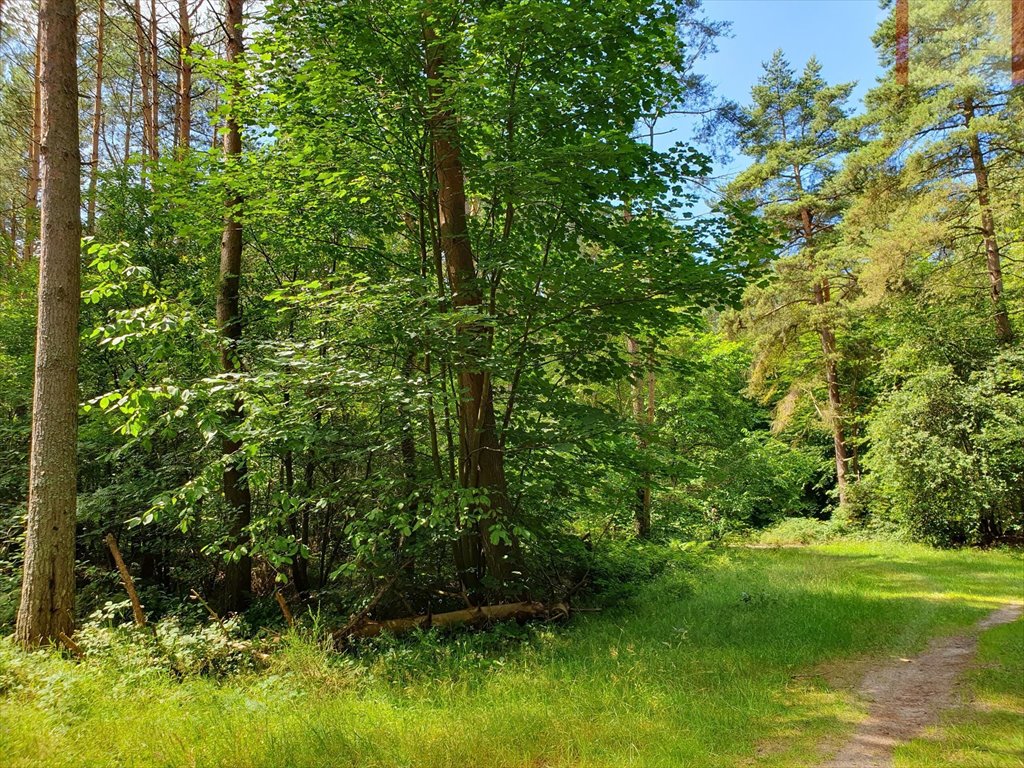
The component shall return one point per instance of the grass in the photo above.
(721, 674)
(987, 731)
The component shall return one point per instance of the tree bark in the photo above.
(97, 122)
(48, 583)
(902, 42)
(184, 112)
(154, 81)
(142, 45)
(35, 139)
(479, 550)
(642, 513)
(993, 260)
(829, 350)
(238, 574)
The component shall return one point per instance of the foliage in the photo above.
(947, 456)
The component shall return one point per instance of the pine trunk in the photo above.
(835, 404)
(993, 260)
(97, 123)
(154, 82)
(238, 575)
(184, 112)
(142, 46)
(34, 140)
(48, 583)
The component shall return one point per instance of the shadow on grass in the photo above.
(706, 670)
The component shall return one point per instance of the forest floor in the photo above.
(766, 658)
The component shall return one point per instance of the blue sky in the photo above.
(838, 32)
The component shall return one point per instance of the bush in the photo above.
(947, 454)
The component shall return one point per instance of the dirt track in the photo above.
(907, 695)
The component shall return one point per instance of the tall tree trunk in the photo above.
(48, 583)
(142, 46)
(34, 141)
(154, 81)
(184, 113)
(993, 261)
(902, 42)
(822, 295)
(97, 122)
(479, 550)
(238, 575)
(829, 352)
(642, 513)
(128, 122)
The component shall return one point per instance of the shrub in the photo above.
(947, 454)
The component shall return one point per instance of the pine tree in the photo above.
(793, 132)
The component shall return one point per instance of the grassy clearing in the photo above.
(710, 668)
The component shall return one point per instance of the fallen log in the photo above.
(467, 616)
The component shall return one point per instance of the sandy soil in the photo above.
(907, 695)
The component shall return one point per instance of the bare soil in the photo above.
(907, 695)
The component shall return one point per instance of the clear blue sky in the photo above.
(838, 32)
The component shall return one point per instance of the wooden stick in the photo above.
(71, 645)
(285, 610)
(212, 612)
(129, 585)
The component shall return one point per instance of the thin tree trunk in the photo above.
(642, 514)
(829, 352)
(993, 261)
(34, 141)
(479, 549)
(238, 576)
(184, 113)
(128, 123)
(48, 583)
(97, 122)
(821, 296)
(154, 81)
(142, 45)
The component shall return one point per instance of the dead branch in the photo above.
(285, 610)
(480, 615)
(126, 578)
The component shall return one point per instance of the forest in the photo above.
(432, 383)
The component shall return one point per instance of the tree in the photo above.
(238, 576)
(948, 130)
(48, 585)
(97, 121)
(794, 133)
(481, 458)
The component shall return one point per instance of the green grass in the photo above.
(987, 731)
(726, 673)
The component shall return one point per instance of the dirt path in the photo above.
(908, 695)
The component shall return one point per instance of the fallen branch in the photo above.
(213, 613)
(126, 578)
(357, 620)
(285, 610)
(71, 645)
(480, 615)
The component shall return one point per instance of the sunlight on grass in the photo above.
(722, 673)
